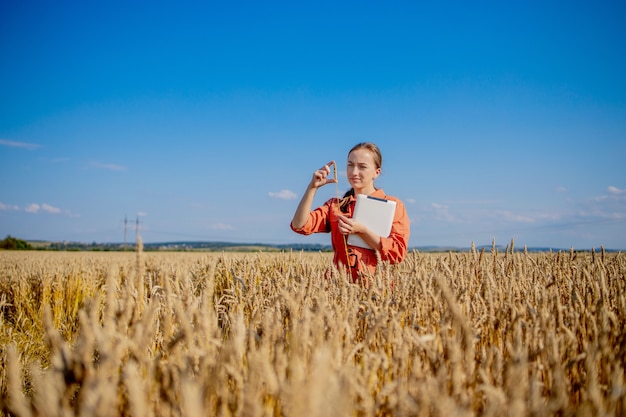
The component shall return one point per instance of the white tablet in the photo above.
(376, 214)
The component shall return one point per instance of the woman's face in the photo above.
(362, 170)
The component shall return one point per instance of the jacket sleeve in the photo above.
(394, 247)
(318, 221)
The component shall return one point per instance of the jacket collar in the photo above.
(379, 193)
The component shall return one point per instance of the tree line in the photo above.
(13, 243)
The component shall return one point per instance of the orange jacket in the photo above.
(393, 248)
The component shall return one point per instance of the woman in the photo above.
(335, 215)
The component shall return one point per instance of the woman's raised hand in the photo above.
(320, 177)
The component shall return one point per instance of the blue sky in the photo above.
(497, 120)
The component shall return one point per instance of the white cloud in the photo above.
(35, 208)
(58, 160)
(615, 195)
(8, 207)
(32, 208)
(461, 203)
(610, 207)
(23, 145)
(221, 226)
(411, 200)
(110, 167)
(283, 195)
(442, 213)
(50, 209)
(514, 217)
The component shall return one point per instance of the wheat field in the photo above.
(477, 333)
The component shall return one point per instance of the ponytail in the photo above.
(343, 204)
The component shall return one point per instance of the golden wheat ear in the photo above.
(335, 171)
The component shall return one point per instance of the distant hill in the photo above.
(234, 247)
(178, 246)
(256, 247)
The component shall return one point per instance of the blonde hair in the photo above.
(373, 148)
